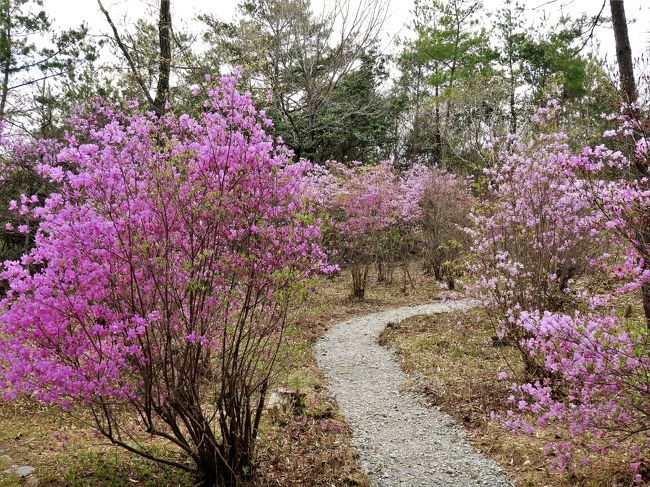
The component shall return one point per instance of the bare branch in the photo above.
(118, 39)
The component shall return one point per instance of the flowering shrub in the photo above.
(594, 383)
(160, 279)
(401, 239)
(18, 160)
(599, 394)
(623, 200)
(377, 215)
(445, 203)
(372, 213)
(531, 236)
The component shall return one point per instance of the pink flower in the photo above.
(144, 249)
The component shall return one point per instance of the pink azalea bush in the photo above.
(597, 393)
(377, 215)
(400, 239)
(445, 202)
(624, 200)
(591, 383)
(160, 279)
(531, 234)
(371, 213)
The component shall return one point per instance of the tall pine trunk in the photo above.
(629, 95)
(164, 62)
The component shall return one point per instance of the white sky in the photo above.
(72, 12)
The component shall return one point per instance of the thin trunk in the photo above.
(416, 121)
(5, 89)
(623, 51)
(629, 94)
(127, 55)
(513, 106)
(381, 270)
(645, 291)
(452, 74)
(438, 134)
(164, 36)
(359, 280)
(513, 85)
(7, 58)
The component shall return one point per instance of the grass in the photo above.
(310, 447)
(66, 453)
(110, 468)
(451, 359)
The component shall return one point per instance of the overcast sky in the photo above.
(72, 12)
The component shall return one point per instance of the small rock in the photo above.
(5, 460)
(23, 471)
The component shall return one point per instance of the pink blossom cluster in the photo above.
(589, 371)
(365, 199)
(597, 388)
(373, 213)
(532, 232)
(376, 214)
(623, 201)
(166, 239)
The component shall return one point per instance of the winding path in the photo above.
(401, 442)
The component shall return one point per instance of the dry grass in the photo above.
(310, 447)
(330, 301)
(452, 360)
(65, 452)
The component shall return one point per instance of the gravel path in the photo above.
(401, 442)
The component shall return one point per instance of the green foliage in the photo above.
(451, 51)
(470, 75)
(553, 56)
(454, 44)
(32, 57)
(322, 86)
(119, 469)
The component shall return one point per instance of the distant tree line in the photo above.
(459, 77)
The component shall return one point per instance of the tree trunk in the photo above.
(381, 270)
(5, 90)
(629, 94)
(438, 132)
(359, 280)
(623, 51)
(513, 105)
(416, 120)
(645, 291)
(6, 38)
(164, 62)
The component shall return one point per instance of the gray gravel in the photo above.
(400, 441)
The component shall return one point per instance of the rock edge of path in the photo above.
(400, 441)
